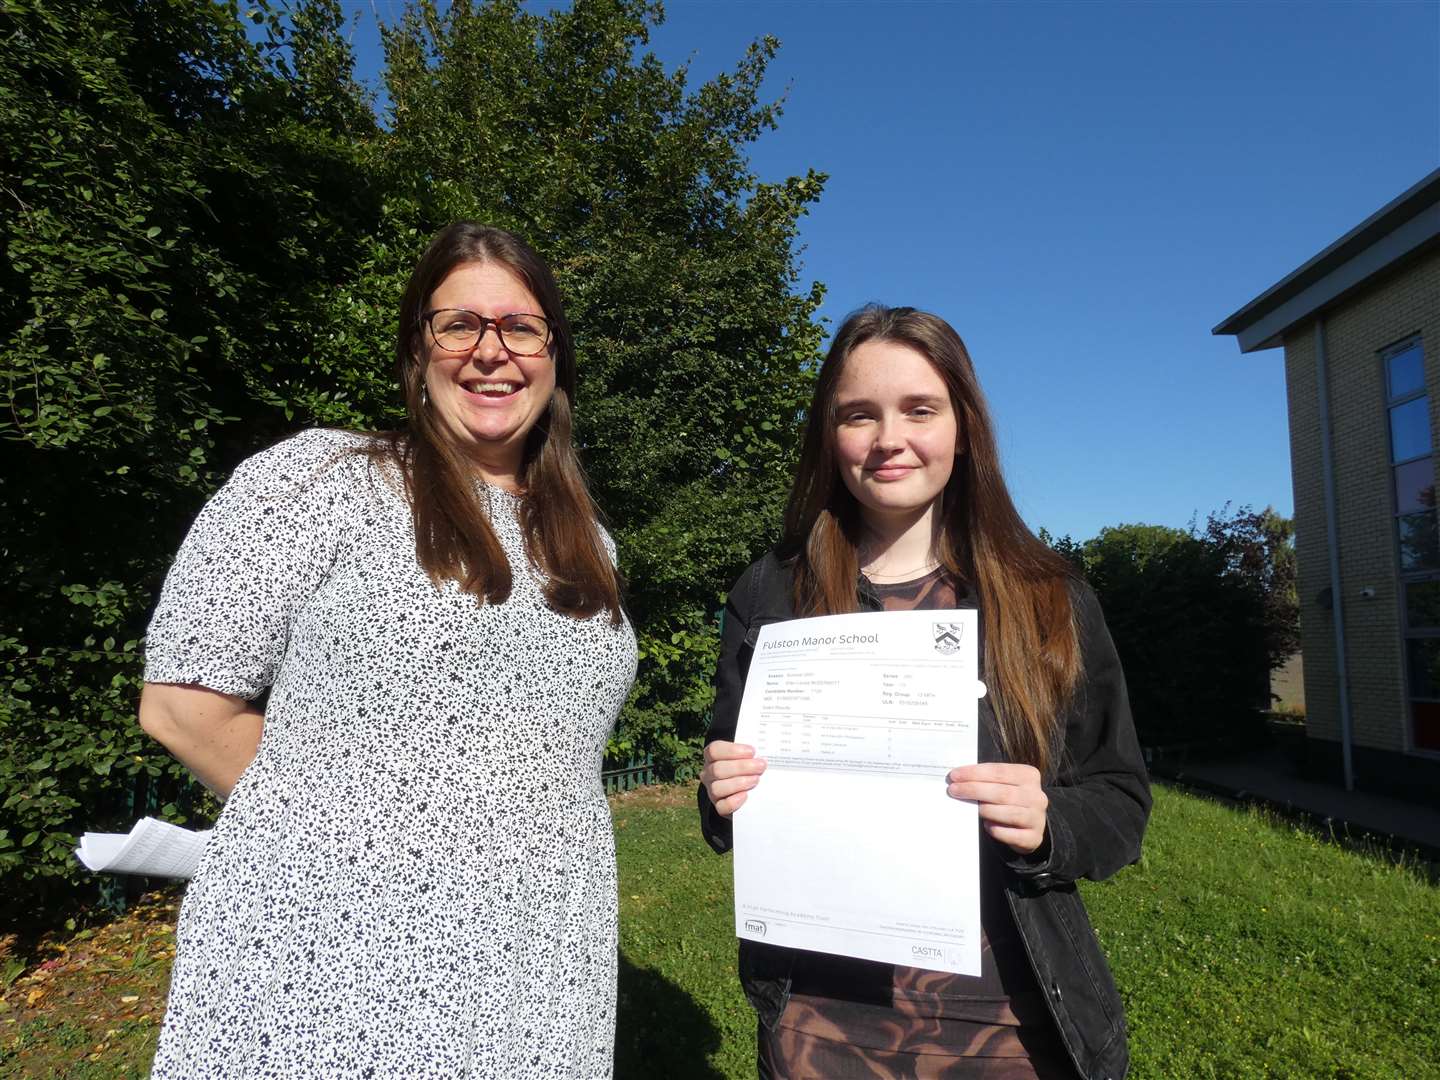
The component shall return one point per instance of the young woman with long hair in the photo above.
(414, 872)
(899, 503)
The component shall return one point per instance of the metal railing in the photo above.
(638, 772)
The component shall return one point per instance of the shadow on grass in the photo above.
(1421, 859)
(660, 1030)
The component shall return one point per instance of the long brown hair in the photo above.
(1032, 653)
(453, 536)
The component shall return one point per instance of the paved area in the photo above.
(1270, 776)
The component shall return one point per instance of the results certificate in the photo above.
(849, 843)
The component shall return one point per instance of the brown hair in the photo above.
(1032, 655)
(453, 536)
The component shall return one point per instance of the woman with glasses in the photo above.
(899, 504)
(398, 658)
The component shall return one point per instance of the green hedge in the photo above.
(205, 235)
(1199, 619)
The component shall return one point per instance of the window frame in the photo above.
(1405, 578)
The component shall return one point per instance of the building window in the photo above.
(1417, 534)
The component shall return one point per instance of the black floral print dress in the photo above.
(416, 875)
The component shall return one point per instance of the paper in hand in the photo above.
(153, 847)
(850, 844)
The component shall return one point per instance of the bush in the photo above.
(1199, 619)
(206, 233)
(162, 185)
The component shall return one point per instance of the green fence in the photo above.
(637, 772)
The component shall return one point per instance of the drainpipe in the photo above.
(1327, 462)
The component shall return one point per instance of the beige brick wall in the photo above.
(1402, 304)
(1287, 685)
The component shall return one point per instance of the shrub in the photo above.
(1199, 619)
(206, 233)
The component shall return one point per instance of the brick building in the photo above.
(1360, 326)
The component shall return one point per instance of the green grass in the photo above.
(681, 1012)
(1244, 947)
(1250, 948)
(88, 1007)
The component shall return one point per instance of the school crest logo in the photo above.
(947, 637)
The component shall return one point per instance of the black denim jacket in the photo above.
(1099, 803)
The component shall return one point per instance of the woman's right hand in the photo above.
(731, 770)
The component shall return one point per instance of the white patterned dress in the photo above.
(416, 876)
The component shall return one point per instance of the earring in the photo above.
(424, 396)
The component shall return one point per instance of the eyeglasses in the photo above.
(459, 330)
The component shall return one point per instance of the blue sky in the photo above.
(1084, 190)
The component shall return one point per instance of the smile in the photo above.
(485, 388)
(892, 472)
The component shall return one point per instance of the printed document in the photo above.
(152, 847)
(849, 844)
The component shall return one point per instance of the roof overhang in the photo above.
(1401, 228)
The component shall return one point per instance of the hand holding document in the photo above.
(850, 844)
(152, 847)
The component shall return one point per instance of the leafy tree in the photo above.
(695, 347)
(1258, 546)
(168, 192)
(206, 232)
(1189, 627)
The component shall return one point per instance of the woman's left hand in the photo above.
(1012, 803)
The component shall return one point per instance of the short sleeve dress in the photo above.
(416, 875)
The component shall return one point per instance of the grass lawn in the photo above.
(1244, 948)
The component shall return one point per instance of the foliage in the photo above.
(1258, 547)
(1322, 963)
(206, 232)
(166, 193)
(677, 266)
(1199, 618)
